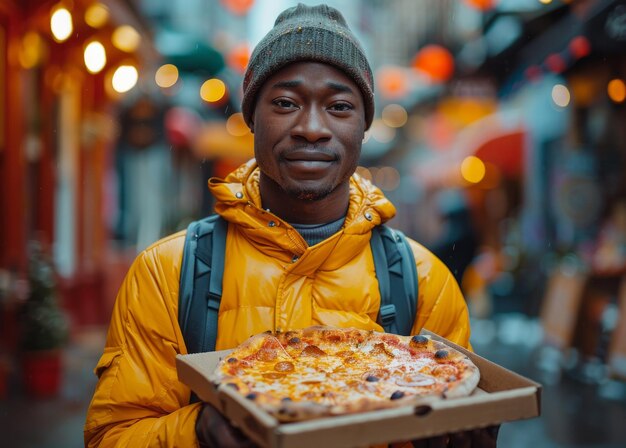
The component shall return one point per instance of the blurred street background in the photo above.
(499, 134)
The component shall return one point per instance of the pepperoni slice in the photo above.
(284, 366)
(313, 350)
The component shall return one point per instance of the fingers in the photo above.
(215, 431)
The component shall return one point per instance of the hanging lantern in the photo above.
(435, 61)
(482, 5)
(238, 7)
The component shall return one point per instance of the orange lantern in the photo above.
(238, 58)
(483, 5)
(435, 61)
(239, 7)
(392, 82)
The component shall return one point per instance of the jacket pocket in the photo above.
(107, 358)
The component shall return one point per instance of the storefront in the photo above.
(63, 68)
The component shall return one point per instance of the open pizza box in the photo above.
(501, 396)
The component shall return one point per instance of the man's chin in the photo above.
(310, 194)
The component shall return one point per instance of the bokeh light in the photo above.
(387, 178)
(61, 24)
(126, 38)
(238, 58)
(482, 5)
(124, 78)
(561, 95)
(166, 76)
(580, 46)
(238, 7)
(435, 61)
(213, 90)
(96, 15)
(236, 126)
(473, 169)
(31, 51)
(394, 115)
(95, 57)
(392, 82)
(381, 132)
(616, 90)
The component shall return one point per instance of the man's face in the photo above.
(309, 122)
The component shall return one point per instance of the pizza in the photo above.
(323, 371)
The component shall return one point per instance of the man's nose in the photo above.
(312, 125)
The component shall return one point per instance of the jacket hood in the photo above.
(238, 200)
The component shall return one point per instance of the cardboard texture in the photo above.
(501, 396)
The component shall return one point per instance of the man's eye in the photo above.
(285, 104)
(341, 107)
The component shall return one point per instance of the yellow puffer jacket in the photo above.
(272, 280)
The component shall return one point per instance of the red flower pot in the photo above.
(41, 373)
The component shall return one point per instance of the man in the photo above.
(297, 250)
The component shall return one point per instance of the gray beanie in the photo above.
(308, 33)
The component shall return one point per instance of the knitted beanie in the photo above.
(308, 33)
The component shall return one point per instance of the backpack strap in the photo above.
(201, 282)
(397, 279)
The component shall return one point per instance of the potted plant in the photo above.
(44, 327)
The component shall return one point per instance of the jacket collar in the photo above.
(238, 200)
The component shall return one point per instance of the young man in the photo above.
(298, 244)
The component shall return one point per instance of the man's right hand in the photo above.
(214, 431)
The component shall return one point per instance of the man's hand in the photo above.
(477, 438)
(214, 431)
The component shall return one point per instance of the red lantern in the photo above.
(435, 61)
(483, 5)
(238, 7)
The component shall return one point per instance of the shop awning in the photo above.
(498, 140)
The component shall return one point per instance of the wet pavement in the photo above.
(580, 408)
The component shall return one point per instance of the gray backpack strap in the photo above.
(397, 279)
(201, 275)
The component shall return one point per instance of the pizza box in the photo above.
(501, 396)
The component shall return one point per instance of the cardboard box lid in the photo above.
(501, 396)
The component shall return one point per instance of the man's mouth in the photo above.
(302, 155)
(308, 163)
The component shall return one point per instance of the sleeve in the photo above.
(441, 306)
(138, 400)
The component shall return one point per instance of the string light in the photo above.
(95, 57)
(124, 78)
(61, 24)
